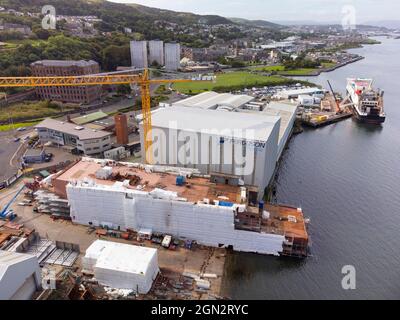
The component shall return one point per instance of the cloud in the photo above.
(318, 10)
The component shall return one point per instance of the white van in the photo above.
(166, 241)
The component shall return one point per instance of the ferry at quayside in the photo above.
(367, 103)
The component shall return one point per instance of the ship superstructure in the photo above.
(367, 102)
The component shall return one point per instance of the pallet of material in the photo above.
(12, 232)
(4, 237)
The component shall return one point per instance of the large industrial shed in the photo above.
(122, 266)
(215, 141)
(20, 276)
(226, 116)
(214, 100)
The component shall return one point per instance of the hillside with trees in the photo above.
(110, 47)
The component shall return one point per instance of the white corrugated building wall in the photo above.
(122, 266)
(121, 208)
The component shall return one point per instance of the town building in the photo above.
(156, 52)
(172, 56)
(77, 139)
(20, 276)
(139, 54)
(74, 94)
(14, 27)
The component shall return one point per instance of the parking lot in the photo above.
(9, 152)
(59, 155)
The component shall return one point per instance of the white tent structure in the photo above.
(20, 276)
(122, 266)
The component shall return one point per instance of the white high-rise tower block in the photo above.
(156, 52)
(172, 56)
(139, 54)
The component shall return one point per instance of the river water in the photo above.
(346, 177)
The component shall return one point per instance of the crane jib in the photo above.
(142, 80)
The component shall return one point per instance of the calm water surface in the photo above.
(346, 177)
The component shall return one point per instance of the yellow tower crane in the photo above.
(142, 80)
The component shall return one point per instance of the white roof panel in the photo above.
(199, 120)
(299, 91)
(83, 133)
(286, 111)
(121, 257)
(211, 99)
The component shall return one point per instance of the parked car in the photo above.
(156, 240)
(166, 241)
(25, 203)
(48, 157)
(17, 139)
(21, 129)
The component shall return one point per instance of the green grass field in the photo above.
(8, 127)
(328, 64)
(33, 42)
(32, 110)
(297, 72)
(269, 68)
(300, 72)
(231, 81)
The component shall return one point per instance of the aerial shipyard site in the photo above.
(148, 164)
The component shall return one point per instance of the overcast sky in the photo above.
(283, 10)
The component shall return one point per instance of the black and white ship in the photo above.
(367, 103)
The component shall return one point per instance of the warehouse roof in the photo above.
(199, 120)
(212, 100)
(15, 268)
(34, 152)
(121, 257)
(8, 259)
(81, 132)
(286, 111)
(296, 92)
(90, 117)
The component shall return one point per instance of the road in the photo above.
(10, 152)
